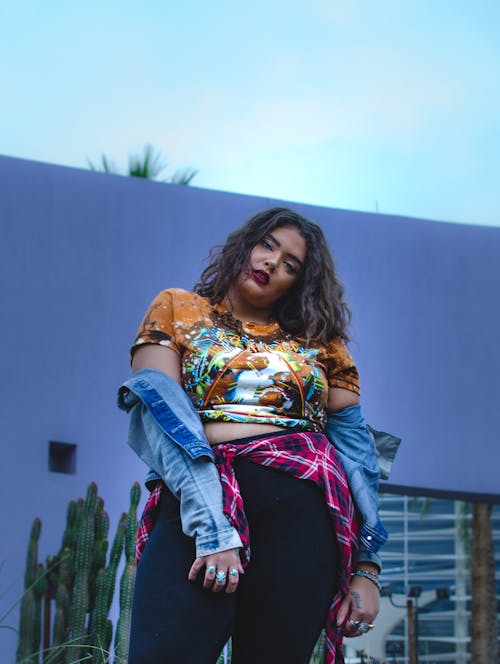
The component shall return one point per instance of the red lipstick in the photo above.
(260, 276)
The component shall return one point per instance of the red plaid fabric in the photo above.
(148, 519)
(307, 456)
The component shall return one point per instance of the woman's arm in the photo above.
(339, 398)
(362, 602)
(151, 356)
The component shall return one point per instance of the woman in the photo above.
(264, 550)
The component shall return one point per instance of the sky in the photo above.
(389, 106)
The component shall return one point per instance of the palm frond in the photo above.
(149, 164)
(107, 166)
(184, 176)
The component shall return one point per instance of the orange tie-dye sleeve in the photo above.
(341, 370)
(158, 326)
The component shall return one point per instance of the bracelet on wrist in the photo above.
(368, 575)
(368, 572)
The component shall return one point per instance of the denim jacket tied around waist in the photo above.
(166, 432)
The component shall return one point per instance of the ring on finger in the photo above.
(354, 623)
(234, 572)
(220, 576)
(211, 569)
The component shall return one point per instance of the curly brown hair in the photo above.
(314, 307)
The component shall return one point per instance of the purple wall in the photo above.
(83, 253)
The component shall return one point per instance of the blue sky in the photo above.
(392, 105)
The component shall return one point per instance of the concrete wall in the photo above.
(83, 253)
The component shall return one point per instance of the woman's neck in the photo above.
(246, 312)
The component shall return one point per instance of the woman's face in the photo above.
(274, 266)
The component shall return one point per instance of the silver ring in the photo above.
(211, 569)
(234, 572)
(354, 623)
(220, 576)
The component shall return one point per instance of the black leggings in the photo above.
(282, 601)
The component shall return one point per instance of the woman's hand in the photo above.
(222, 570)
(361, 605)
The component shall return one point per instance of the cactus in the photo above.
(63, 598)
(101, 527)
(31, 604)
(83, 560)
(114, 558)
(71, 530)
(102, 628)
(38, 589)
(128, 579)
(99, 621)
(81, 585)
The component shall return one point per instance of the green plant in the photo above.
(31, 605)
(80, 586)
(149, 164)
(128, 577)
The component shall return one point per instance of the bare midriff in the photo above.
(222, 432)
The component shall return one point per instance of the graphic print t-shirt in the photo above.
(246, 372)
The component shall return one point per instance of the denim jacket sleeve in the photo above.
(166, 432)
(363, 464)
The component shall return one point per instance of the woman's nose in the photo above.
(270, 264)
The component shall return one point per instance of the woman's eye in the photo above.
(290, 267)
(265, 243)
